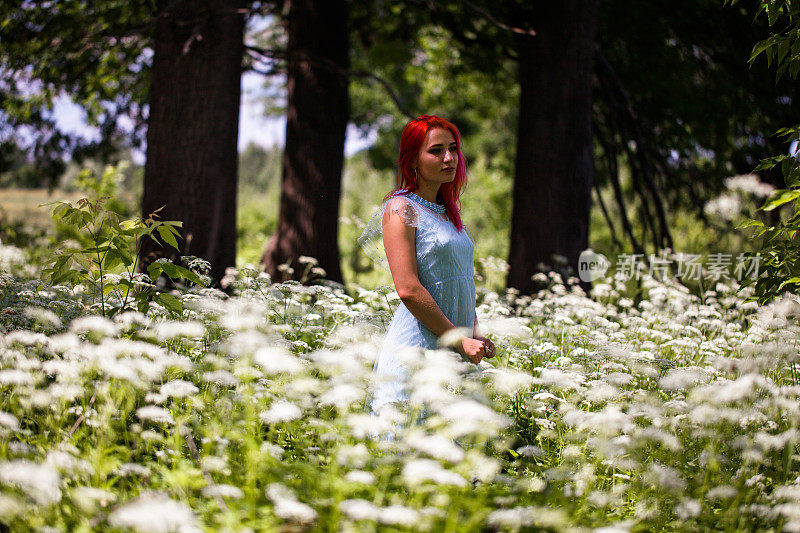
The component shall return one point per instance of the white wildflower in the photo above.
(27, 338)
(41, 482)
(508, 381)
(664, 477)
(355, 456)
(421, 470)
(287, 506)
(769, 442)
(541, 396)
(178, 388)
(508, 328)
(682, 378)
(342, 396)
(9, 421)
(222, 378)
(94, 324)
(436, 446)
(517, 518)
(727, 391)
(398, 515)
(750, 184)
(223, 490)
(560, 379)
(687, 509)
(16, 377)
(722, 492)
(367, 425)
(215, 463)
(469, 416)
(275, 360)
(280, 411)
(155, 513)
(272, 449)
(359, 510)
(530, 451)
(170, 329)
(481, 467)
(600, 391)
(88, 497)
(155, 414)
(132, 469)
(360, 476)
(66, 462)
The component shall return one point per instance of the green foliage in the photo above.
(259, 168)
(96, 53)
(108, 263)
(780, 251)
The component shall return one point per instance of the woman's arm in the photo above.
(398, 240)
(488, 346)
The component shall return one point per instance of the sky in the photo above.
(253, 125)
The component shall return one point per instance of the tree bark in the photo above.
(553, 175)
(316, 122)
(191, 167)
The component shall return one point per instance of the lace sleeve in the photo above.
(371, 239)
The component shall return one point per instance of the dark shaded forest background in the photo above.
(585, 124)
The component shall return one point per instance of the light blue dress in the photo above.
(445, 269)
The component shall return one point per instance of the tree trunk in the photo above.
(553, 176)
(316, 121)
(193, 126)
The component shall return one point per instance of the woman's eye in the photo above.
(454, 149)
(436, 151)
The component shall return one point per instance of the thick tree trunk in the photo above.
(553, 177)
(316, 120)
(193, 126)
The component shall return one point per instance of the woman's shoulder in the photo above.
(398, 204)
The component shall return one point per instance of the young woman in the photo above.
(429, 253)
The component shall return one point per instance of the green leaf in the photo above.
(170, 301)
(129, 224)
(758, 49)
(187, 274)
(168, 236)
(790, 281)
(172, 270)
(142, 305)
(750, 223)
(155, 270)
(779, 198)
(770, 162)
(112, 259)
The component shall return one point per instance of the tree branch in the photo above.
(629, 127)
(606, 216)
(396, 98)
(497, 23)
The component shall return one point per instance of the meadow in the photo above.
(639, 407)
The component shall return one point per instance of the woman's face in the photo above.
(438, 157)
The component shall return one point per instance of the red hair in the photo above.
(410, 144)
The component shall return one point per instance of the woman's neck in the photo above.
(427, 191)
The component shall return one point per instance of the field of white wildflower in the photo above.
(644, 410)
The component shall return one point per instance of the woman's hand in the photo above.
(473, 349)
(488, 346)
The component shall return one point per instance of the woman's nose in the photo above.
(448, 155)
